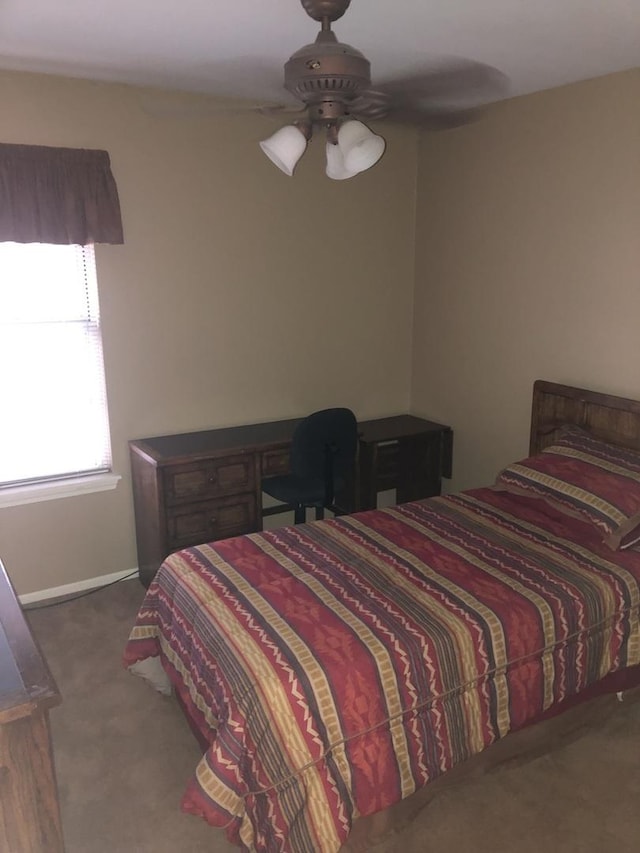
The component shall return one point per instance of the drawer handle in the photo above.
(213, 520)
(212, 478)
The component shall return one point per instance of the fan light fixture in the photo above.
(351, 148)
(360, 148)
(286, 146)
(328, 76)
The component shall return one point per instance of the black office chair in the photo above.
(322, 461)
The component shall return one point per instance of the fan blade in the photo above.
(162, 105)
(374, 106)
(449, 82)
(422, 117)
(371, 104)
(433, 120)
(447, 94)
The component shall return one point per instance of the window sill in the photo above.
(17, 495)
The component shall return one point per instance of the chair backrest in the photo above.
(324, 447)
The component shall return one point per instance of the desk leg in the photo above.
(258, 492)
(367, 490)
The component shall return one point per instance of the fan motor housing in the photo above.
(327, 72)
(330, 9)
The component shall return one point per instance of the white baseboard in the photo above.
(78, 586)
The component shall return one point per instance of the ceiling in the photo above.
(237, 48)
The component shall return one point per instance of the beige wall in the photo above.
(527, 264)
(240, 294)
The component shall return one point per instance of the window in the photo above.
(53, 423)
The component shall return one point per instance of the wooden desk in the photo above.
(29, 810)
(405, 453)
(196, 487)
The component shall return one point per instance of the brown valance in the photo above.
(57, 195)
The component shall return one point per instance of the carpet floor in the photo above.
(123, 755)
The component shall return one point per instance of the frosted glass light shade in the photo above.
(360, 147)
(335, 164)
(285, 148)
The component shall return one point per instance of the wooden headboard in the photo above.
(614, 419)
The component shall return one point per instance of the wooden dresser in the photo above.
(29, 811)
(200, 486)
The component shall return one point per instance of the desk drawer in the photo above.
(208, 479)
(209, 520)
(275, 462)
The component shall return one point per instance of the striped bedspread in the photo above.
(336, 667)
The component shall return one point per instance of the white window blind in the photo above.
(54, 421)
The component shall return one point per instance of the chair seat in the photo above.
(294, 490)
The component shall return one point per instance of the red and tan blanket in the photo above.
(336, 667)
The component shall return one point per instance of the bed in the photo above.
(334, 669)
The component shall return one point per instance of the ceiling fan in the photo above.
(333, 82)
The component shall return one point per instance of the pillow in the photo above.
(586, 477)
